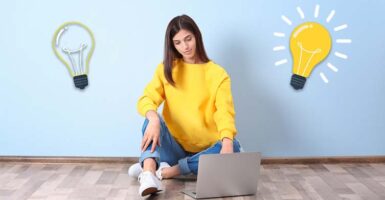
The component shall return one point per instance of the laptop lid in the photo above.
(221, 175)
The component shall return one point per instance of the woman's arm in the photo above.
(148, 103)
(225, 114)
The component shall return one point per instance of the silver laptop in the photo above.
(222, 175)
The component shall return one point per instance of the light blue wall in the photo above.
(42, 114)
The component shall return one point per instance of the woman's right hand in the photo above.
(152, 133)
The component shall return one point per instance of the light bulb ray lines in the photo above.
(279, 34)
(300, 12)
(341, 55)
(330, 16)
(323, 77)
(332, 67)
(280, 62)
(343, 41)
(316, 11)
(341, 27)
(287, 20)
(279, 48)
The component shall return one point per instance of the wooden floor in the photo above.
(110, 181)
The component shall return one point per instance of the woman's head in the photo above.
(183, 40)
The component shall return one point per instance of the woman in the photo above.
(198, 113)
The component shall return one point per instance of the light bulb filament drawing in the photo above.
(312, 53)
(77, 68)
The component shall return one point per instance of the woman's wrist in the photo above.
(226, 140)
(227, 145)
(151, 115)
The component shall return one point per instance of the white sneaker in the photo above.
(136, 169)
(159, 171)
(149, 183)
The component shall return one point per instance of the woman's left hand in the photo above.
(227, 146)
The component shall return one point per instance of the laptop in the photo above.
(225, 175)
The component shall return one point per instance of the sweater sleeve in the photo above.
(224, 115)
(153, 94)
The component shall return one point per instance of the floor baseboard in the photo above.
(131, 160)
(323, 160)
(68, 159)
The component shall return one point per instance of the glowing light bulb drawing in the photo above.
(310, 44)
(70, 51)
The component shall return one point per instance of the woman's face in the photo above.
(184, 42)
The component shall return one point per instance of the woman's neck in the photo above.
(194, 60)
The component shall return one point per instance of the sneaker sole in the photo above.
(150, 190)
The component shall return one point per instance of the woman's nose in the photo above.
(185, 45)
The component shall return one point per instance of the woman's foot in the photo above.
(149, 183)
(169, 172)
(162, 166)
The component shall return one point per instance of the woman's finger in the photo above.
(143, 142)
(154, 143)
(146, 145)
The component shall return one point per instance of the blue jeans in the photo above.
(172, 153)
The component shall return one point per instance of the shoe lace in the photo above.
(159, 173)
(141, 175)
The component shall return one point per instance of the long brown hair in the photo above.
(170, 52)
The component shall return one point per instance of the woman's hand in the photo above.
(152, 132)
(227, 146)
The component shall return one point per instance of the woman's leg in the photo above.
(190, 164)
(170, 151)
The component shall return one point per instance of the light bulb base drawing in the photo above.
(81, 81)
(297, 81)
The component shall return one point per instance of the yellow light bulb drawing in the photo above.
(310, 44)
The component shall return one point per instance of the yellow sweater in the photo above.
(199, 111)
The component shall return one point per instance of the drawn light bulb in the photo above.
(310, 43)
(74, 43)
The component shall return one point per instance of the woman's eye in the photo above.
(188, 39)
